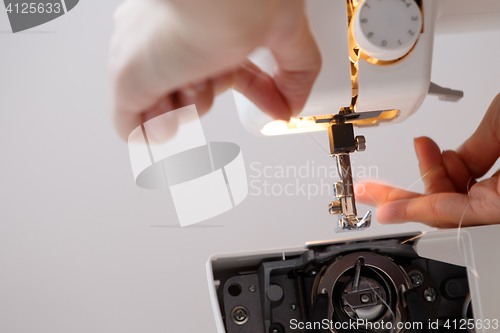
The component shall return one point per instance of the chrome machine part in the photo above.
(445, 94)
(342, 143)
(365, 286)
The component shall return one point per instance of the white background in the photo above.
(83, 249)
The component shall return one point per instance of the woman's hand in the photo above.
(452, 195)
(166, 54)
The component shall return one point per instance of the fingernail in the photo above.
(164, 107)
(200, 86)
(359, 189)
(189, 91)
(161, 128)
(415, 145)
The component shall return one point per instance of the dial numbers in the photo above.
(387, 29)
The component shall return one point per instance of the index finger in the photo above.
(441, 210)
(378, 194)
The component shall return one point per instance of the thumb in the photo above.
(297, 55)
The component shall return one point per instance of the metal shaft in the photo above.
(342, 143)
(347, 200)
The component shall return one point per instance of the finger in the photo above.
(498, 180)
(377, 194)
(441, 210)
(457, 171)
(222, 82)
(200, 94)
(134, 76)
(431, 166)
(154, 52)
(482, 149)
(297, 55)
(160, 123)
(125, 123)
(261, 89)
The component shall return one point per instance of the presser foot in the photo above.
(342, 143)
(345, 206)
(353, 223)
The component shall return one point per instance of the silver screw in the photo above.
(275, 330)
(293, 307)
(430, 294)
(239, 315)
(252, 288)
(365, 298)
(334, 208)
(416, 279)
(360, 142)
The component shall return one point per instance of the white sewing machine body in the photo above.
(350, 77)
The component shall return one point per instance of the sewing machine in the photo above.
(377, 57)
(376, 70)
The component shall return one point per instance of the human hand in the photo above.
(452, 195)
(166, 54)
